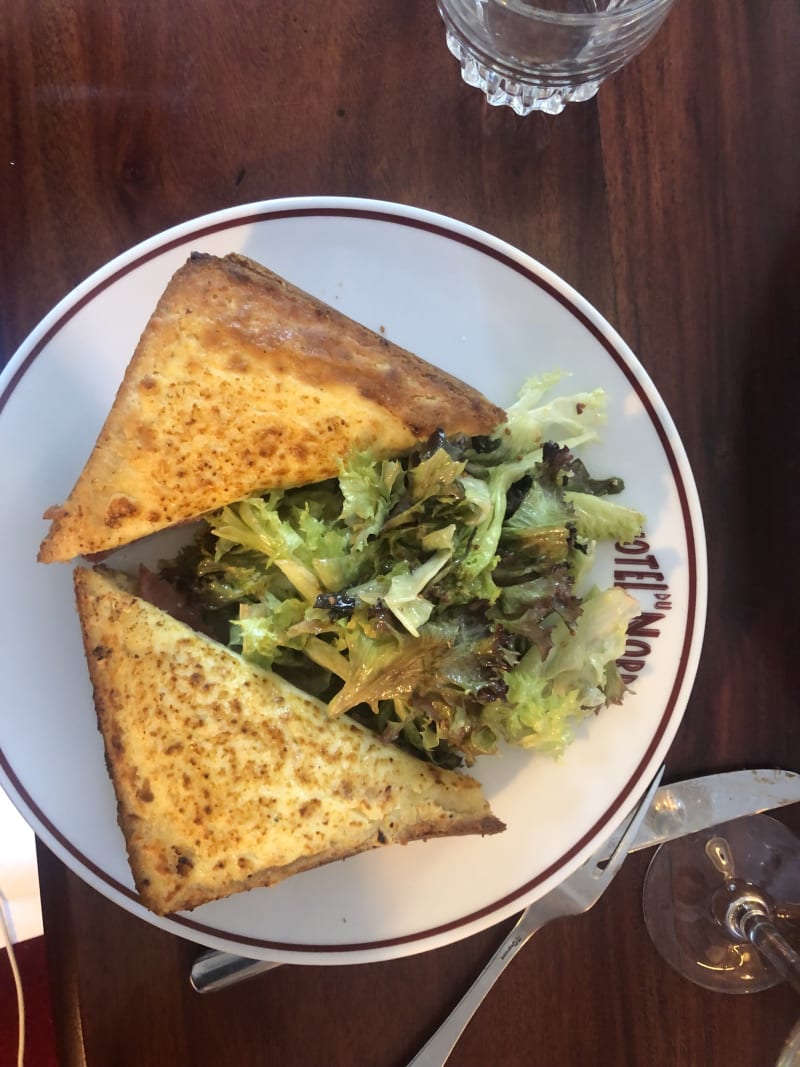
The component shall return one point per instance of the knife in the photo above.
(676, 810)
(698, 803)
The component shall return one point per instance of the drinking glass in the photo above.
(541, 56)
(722, 908)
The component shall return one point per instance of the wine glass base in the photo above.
(679, 890)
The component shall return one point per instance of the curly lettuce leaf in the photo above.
(429, 691)
(368, 490)
(548, 697)
(573, 420)
(402, 591)
(597, 518)
(310, 552)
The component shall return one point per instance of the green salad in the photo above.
(442, 597)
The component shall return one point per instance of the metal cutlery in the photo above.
(573, 896)
(676, 810)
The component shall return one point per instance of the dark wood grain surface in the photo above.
(671, 203)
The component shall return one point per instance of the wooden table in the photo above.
(671, 203)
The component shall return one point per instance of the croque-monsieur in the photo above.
(242, 382)
(226, 776)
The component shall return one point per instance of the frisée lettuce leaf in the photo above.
(436, 596)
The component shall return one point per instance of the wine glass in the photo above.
(721, 907)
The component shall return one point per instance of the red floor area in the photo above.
(39, 1035)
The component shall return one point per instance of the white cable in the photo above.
(12, 959)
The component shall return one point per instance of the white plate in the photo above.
(480, 309)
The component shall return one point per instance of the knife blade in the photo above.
(676, 810)
(698, 803)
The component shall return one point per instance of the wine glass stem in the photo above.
(763, 934)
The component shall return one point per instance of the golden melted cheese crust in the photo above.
(242, 382)
(227, 777)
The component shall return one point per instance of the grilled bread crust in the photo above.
(242, 382)
(226, 776)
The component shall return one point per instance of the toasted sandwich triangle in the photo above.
(241, 382)
(227, 777)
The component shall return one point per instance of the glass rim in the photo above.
(578, 18)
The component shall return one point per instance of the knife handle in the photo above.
(215, 970)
